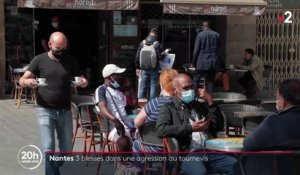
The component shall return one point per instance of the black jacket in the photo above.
(206, 50)
(173, 121)
(278, 131)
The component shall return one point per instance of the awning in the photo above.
(81, 4)
(214, 7)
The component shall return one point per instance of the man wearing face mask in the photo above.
(285, 122)
(54, 97)
(55, 27)
(189, 121)
(277, 132)
(111, 102)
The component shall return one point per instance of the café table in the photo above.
(242, 114)
(228, 144)
(82, 99)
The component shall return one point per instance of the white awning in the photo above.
(214, 7)
(81, 4)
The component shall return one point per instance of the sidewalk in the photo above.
(19, 128)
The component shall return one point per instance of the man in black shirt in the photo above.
(54, 97)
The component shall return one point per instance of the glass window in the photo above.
(125, 24)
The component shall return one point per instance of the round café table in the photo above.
(229, 144)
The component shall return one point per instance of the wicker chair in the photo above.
(230, 120)
(168, 144)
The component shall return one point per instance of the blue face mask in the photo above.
(115, 84)
(188, 96)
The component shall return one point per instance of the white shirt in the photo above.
(198, 138)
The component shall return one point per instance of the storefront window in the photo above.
(125, 24)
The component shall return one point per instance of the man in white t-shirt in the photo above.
(111, 102)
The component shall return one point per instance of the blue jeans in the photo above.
(147, 75)
(49, 121)
(211, 163)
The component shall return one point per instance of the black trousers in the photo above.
(209, 76)
(249, 84)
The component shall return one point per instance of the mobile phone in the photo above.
(202, 83)
(207, 117)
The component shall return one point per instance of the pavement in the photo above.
(18, 129)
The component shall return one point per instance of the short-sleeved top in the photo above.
(57, 93)
(105, 94)
(152, 108)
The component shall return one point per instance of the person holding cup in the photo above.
(54, 100)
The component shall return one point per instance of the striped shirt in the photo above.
(152, 107)
(152, 110)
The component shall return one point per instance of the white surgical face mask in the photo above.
(55, 24)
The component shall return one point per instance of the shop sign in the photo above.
(283, 4)
(81, 4)
(213, 9)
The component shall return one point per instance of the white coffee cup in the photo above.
(142, 102)
(78, 79)
(41, 80)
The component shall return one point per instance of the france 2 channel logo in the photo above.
(286, 18)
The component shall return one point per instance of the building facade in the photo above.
(100, 36)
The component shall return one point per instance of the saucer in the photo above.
(42, 84)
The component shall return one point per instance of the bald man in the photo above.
(188, 121)
(54, 96)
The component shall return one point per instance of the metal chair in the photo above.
(267, 76)
(76, 118)
(18, 91)
(230, 120)
(269, 105)
(149, 137)
(76, 100)
(106, 143)
(169, 145)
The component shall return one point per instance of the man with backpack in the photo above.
(147, 57)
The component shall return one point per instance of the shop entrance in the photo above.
(81, 29)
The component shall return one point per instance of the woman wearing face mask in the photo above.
(149, 113)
